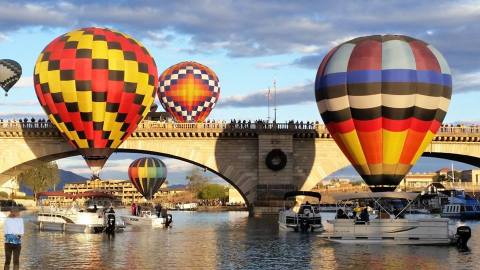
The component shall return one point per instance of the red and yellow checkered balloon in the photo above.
(95, 85)
(188, 91)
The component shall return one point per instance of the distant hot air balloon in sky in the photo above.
(188, 91)
(383, 98)
(95, 85)
(147, 174)
(10, 73)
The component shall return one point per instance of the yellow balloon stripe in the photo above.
(392, 145)
(353, 146)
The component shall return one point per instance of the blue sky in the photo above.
(248, 44)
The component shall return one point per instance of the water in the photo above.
(227, 240)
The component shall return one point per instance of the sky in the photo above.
(248, 44)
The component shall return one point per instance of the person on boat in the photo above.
(13, 232)
(139, 210)
(341, 214)
(95, 208)
(353, 215)
(134, 209)
(364, 216)
(110, 229)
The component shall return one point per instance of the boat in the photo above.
(305, 218)
(146, 218)
(461, 206)
(390, 226)
(76, 218)
(186, 206)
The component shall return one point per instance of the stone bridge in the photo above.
(236, 152)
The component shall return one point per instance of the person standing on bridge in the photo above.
(13, 232)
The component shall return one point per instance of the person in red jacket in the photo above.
(134, 209)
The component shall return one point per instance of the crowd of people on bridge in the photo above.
(236, 124)
(264, 124)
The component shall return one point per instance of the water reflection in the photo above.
(228, 241)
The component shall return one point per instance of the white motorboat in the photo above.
(146, 218)
(389, 228)
(304, 218)
(186, 206)
(74, 218)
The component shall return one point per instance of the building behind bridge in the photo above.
(123, 190)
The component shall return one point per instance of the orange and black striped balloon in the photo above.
(147, 175)
(383, 98)
(95, 85)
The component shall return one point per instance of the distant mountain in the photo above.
(69, 177)
(65, 177)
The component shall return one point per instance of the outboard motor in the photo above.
(462, 236)
(168, 220)
(304, 224)
(110, 224)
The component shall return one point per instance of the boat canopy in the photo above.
(375, 195)
(302, 193)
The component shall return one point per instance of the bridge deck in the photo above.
(243, 129)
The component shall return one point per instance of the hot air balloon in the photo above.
(95, 85)
(147, 174)
(383, 98)
(188, 91)
(10, 73)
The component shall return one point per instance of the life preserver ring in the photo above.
(276, 160)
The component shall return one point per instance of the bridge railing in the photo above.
(148, 125)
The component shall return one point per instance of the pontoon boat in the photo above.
(304, 218)
(389, 226)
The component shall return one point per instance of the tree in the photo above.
(448, 177)
(213, 192)
(3, 195)
(40, 178)
(196, 180)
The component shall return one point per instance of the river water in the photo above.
(227, 240)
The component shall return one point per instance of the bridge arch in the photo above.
(52, 157)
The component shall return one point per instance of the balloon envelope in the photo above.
(383, 98)
(95, 85)
(188, 91)
(10, 73)
(147, 174)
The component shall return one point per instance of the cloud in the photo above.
(18, 103)
(3, 37)
(287, 96)
(21, 115)
(252, 28)
(118, 163)
(466, 82)
(269, 65)
(309, 61)
(306, 29)
(159, 39)
(24, 82)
